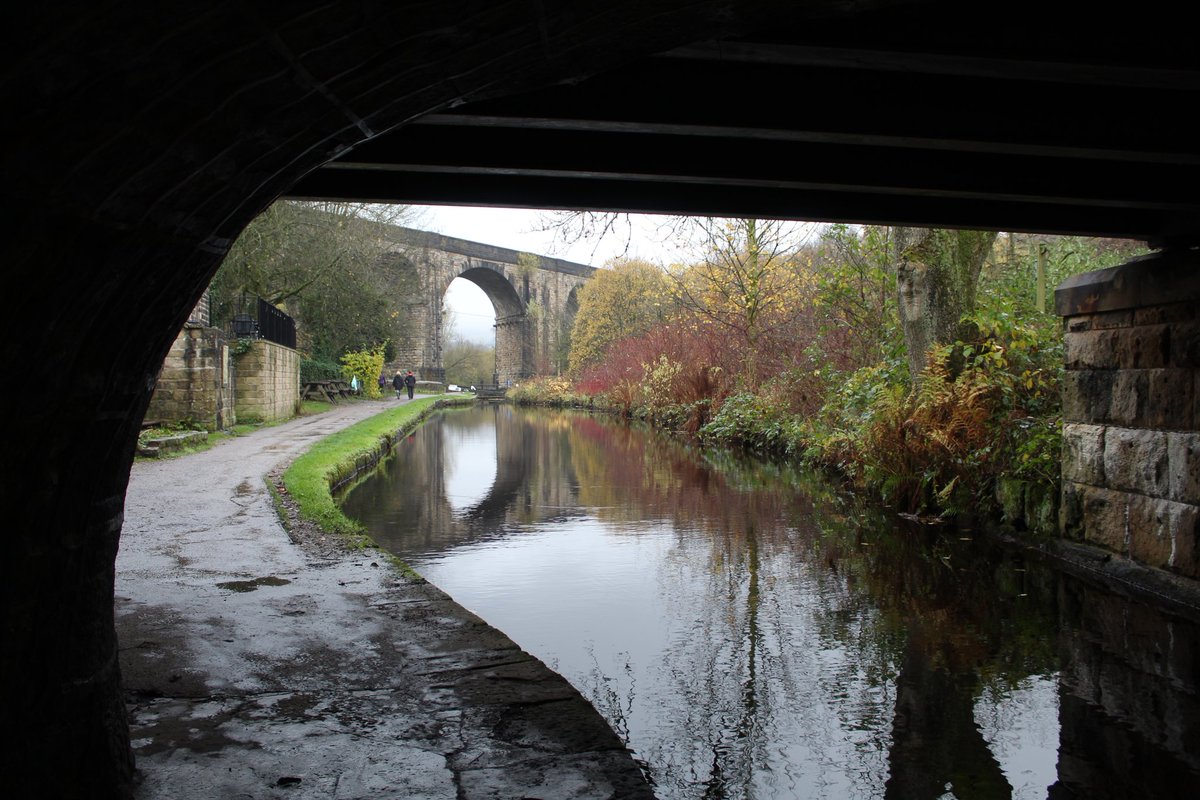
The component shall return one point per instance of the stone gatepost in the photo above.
(1131, 410)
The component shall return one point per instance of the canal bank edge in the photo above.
(303, 488)
(1157, 588)
(533, 710)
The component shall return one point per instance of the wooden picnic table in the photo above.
(328, 391)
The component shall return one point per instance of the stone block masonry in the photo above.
(1131, 410)
(534, 298)
(268, 382)
(195, 384)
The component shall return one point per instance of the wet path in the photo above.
(256, 669)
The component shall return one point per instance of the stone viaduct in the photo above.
(535, 298)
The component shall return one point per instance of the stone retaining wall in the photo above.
(1131, 410)
(195, 383)
(268, 382)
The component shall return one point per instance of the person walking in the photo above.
(398, 383)
(410, 381)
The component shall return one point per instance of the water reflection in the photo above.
(470, 464)
(753, 634)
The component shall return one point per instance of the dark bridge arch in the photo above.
(143, 139)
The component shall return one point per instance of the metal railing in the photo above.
(265, 321)
(276, 326)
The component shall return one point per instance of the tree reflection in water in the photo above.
(771, 637)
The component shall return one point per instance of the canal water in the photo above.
(751, 632)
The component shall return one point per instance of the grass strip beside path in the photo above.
(310, 478)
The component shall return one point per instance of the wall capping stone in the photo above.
(1172, 276)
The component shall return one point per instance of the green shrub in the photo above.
(753, 421)
(367, 366)
(984, 409)
(315, 370)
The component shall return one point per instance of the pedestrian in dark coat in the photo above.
(410, 381)
(398, 383)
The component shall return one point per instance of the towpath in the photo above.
(257, 668)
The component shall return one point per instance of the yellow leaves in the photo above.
(367, 365)
(624, 300)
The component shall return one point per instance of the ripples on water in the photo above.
(751, 633)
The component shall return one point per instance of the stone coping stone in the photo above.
(153, 448)
(1162, 278)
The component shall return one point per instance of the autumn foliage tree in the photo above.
(753, 283)
(855, 296)
(749, 279)
(626, 299)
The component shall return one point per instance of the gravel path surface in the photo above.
(261, 667)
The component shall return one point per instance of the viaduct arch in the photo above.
(142, 139)
(535, 299)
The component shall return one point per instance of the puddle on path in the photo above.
(251, 585)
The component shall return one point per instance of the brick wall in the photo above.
(1131, 411)
(195, 383)
(268, 382)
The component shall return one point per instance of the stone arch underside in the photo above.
(511, 328)
(193, 124)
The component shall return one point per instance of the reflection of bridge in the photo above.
(528, 485)
(534, 298)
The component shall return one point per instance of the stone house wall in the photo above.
(195, 383)
(268, 382)
(202, 311)
(1131, 411)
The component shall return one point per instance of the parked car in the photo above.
(454, 387)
